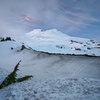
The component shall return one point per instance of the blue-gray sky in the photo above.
(74, 17)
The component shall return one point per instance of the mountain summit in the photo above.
(54, 41)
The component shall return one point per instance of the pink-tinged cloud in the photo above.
(75, 22)
(82, 16)
(26, 19)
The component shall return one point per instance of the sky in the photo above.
(79, 18)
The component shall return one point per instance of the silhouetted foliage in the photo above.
(6, 39)
(11, 78)
(2, 39)
(24, 78)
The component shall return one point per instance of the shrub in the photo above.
(2, 39)
(11, 78)
(8, 39)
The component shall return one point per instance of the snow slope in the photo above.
(56, 77)
(54, 41)
(59, 89)
(45, 66)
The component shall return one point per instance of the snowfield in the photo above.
(54, 41)
(56, 77)
(55, 89)
(44, 65)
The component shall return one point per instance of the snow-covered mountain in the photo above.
(54, 41)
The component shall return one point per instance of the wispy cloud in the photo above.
(82, 16)
(26, 19)
(69, 16)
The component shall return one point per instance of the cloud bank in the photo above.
(74, 17)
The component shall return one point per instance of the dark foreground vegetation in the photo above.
(6, 39)
(11, 78)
